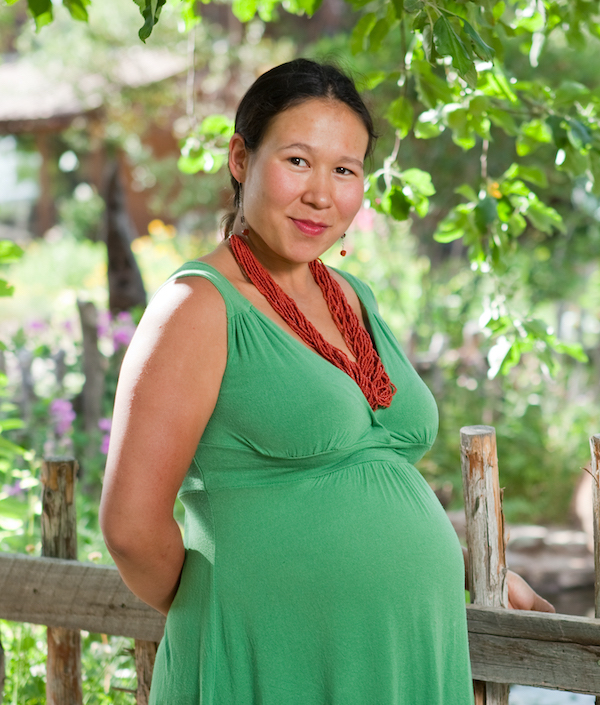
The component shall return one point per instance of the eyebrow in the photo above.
(308, 148)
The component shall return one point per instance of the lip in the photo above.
(309, 227)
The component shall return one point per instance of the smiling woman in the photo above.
(317, 567)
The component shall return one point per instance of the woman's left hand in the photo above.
(521, 596)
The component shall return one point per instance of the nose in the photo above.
(317, 192)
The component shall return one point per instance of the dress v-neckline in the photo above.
(287, 334)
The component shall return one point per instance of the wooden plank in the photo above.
(73, 595)
(485, 535)
(59, 540)
(542, 650)
(528, 648)
(595, 451)
(540, 626)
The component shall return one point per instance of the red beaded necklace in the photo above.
(368, 371)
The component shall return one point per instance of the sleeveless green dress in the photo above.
(320, 567)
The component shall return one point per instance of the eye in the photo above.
(298, 161)
(343, 171)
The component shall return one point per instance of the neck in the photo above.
(294, 278)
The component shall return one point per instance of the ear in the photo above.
(238, 157)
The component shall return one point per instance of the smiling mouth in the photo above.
(308, 227)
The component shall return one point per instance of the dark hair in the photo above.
(286, 86)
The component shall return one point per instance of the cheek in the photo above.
(277, 187)
(351, 200)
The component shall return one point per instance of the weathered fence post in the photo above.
(145, 654)
(485, 534)
(2, 671)
(595, 451)
(59, 540)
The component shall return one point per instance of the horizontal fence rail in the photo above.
(529, 648)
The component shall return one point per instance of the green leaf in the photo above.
(466, 191)
(361, 31)
(413, 5)
(532, 174)
(558, 132)
(217, 125)
(244, 10)
(570, 91)
(483, 51)
(395, 203)
(398, 9)
(6, 289)
(378, 33)
(372, 80)
(486, 212)
(498, 9)
(420, 21)
(501, 118)
(431, 89)
(579, 135)
(41, 11)
(544, 217)
(448, 43)
(419, 181)
(479, 104)
(9, 252)
(77, 9)
(400, 115)
(150, 11)
(428, 125)
(462, 129)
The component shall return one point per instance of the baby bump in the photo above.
(373, 530)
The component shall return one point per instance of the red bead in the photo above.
(343, 253)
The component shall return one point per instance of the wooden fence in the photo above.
(507, 646)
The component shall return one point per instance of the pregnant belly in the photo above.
(371, 533)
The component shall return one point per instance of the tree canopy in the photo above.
(511, 84)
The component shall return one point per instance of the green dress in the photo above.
(320, 567)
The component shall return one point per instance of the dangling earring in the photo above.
(343, 253)
(245, 230)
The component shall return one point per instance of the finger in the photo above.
(542, 605)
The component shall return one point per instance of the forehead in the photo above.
(319, 123)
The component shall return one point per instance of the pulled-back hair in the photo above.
(284, 87)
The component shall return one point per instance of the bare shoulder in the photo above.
(190, 301)
(184, 324)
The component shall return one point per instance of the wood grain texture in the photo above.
(528, 648)
(74, 595)
(595, 452)
(59, 540)
(485, 535)
(534, 648)
(145, 655)
(595, 469)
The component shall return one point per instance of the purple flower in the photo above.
(105, 443)
(13, 490)
(105, 425)
(62, 414)
(123, 330)
(103, 325)
(37, 326)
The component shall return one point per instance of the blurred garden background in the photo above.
(479, 234)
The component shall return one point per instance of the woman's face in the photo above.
(304, 184)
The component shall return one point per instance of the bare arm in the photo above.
(167, 390)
